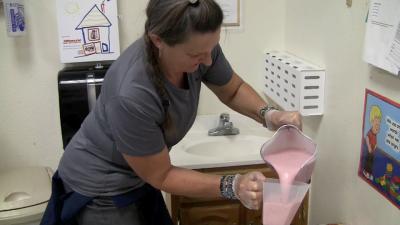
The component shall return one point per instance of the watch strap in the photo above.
(263, 112)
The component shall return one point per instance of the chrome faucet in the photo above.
(225, 127)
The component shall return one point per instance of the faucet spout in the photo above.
(225, 127)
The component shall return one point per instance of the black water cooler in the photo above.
(78, 88)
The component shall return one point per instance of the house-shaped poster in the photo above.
(88, 30)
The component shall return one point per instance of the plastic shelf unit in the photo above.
(294, 84)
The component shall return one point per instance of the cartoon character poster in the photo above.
(380, 146)
(88, 30)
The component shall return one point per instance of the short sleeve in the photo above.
(220, 72)
(133, 127)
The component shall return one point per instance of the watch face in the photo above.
(262, 111)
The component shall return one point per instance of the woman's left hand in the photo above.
(275, 119)
(249, 189)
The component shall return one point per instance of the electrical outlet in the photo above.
(349, 3)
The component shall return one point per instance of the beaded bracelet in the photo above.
(226, 187)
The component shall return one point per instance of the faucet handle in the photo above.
(224, 117)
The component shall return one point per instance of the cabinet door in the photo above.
(210, 215)
(301, 217)
(253, 217)
(208, 211)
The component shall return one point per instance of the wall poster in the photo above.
(380, 146)
(87, 30)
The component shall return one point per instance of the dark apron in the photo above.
(63, 207)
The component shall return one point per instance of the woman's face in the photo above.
(187, 56)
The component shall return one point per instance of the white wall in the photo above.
(29, 125)
(263, 28)
(331, 35)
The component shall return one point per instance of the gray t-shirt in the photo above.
(127, 118)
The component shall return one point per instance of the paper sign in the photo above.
(382, 38)
(88, 30)
(231, 9)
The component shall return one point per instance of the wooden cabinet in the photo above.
(192, 211)
(210, 214)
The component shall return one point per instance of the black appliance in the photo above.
(78, 88)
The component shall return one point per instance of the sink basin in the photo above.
(197, 150)
(237, 146)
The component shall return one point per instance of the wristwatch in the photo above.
(263, 111)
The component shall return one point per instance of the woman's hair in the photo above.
(174, 21)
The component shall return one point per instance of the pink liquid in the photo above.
(280, 210)
(287, 164)
(277, 213)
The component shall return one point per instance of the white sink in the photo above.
(236, 146)
(197, 150)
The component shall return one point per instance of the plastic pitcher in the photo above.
(290, 137)
(276, 211)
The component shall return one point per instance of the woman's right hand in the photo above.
(249, 189)
(276, 118)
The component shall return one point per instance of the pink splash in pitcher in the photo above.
(292, 154)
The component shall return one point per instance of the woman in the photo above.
(147, 104)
